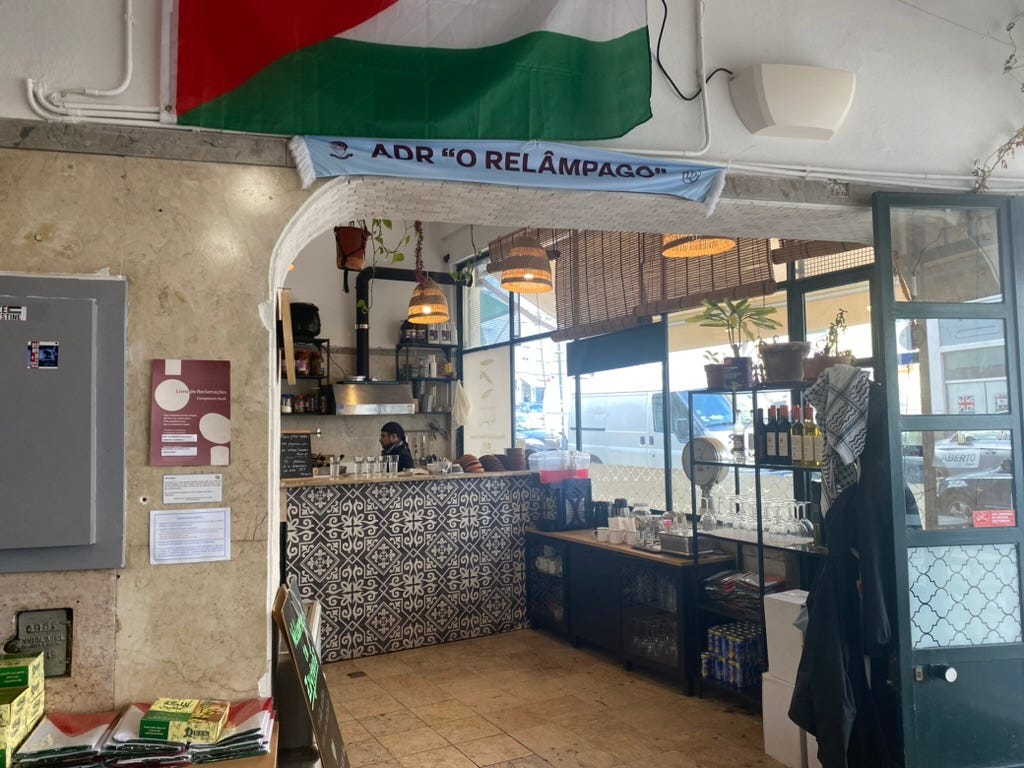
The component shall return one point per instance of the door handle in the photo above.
(943, 672)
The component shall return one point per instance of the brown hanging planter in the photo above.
(350, 246)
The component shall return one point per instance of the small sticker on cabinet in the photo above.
(8, 312)
(43, 354)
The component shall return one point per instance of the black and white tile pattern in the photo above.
(399, 565)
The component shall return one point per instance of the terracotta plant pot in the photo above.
(814, 366)
(716, 375)
(784, 360)
(350, 245)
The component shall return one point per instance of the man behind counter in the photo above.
(392, 440)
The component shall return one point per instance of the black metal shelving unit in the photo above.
(712, 611)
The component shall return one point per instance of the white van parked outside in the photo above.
(628, 427)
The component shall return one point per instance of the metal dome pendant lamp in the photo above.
(427, 304)
(527, 268)
(693, 246)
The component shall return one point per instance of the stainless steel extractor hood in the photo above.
(370, 398)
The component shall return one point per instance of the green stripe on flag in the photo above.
(540, 86)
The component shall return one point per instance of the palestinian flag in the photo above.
(474, 69)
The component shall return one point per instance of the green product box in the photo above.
(15, 704)
(22, 670)
(184, 720)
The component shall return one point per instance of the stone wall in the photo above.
(194, 242)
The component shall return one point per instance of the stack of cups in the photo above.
(616, 529)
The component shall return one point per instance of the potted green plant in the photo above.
(739, 319)
(829, 353)
(351, 242)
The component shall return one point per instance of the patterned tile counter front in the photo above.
(401, 564)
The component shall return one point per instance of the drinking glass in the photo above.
(360, 465)
(392, 464)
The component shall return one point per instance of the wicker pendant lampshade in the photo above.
(428, 304)
(692, 246)
(526, 269)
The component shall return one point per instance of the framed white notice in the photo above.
(189, 536)
(193, 489)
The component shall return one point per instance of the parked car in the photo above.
(530, 416)
(966, 451)
(961, 495)
(542, 440)
(971, 451)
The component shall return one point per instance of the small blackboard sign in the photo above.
(291, 620)
(296, 455)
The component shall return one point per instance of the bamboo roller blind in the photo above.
(607, 281)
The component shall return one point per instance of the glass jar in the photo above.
(301, 361)
(316, 362)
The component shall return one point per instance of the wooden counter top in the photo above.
(353, 479)
(587, 537)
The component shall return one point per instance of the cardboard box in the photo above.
(14, 706)
(20, 712)
(184, 720)
(22, 670)
(785, 642)
(783, 739)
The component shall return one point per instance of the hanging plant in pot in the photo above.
(829, 353)
(352, 240)
(739, 319)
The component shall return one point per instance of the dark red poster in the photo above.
(190, 413)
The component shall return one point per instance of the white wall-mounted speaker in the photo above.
(792, 100)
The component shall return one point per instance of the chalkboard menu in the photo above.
(291, 619)
(296, 455)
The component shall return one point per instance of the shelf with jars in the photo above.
(309, 395)
(426, 356)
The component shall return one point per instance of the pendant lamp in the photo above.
(526, 269)
(692, 246)
(427, 304)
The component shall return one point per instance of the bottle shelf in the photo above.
(755, 465)
(787, 542)
(423, 345)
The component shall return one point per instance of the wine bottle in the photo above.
(796, 439)
(784, 456)
(760, 438)
(815, 437)
(771, 436)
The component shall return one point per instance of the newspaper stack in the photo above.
(66, 741)
(112, 739)
(125, 749)
(247, 733)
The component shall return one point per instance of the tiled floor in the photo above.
(528, 700)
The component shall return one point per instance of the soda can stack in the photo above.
(735, 655)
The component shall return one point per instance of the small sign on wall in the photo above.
(190, 413)
(43, 354)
